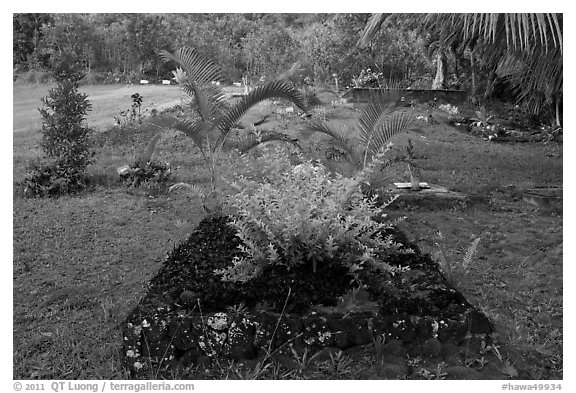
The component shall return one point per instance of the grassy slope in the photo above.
(80, 263)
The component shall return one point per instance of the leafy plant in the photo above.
(483, 118)
(379, 341)
(446, 261)
(338, 366)
(153, 174)
(299, 214)
(65, 137)
(145, 171)
(376, 125)
(213, 118)
(367, 78)
(51, 180)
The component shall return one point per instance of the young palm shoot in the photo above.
(213, 118)
(377, 124)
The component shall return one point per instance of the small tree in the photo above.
(65, 137)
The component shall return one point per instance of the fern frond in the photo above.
(470, 253)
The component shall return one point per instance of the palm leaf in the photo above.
(276, 89)
(526, 49)
(146, 156)
(196, 80)
(338, 139)
(372, 27)
(371, 117)
(252, 140)
(195, 129)
(197, 67)
(521, 32)
(191, 187)
(380, 136)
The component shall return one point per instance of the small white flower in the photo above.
(138, 365)
(130, 353)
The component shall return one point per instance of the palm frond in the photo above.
(520, 31)
(196, 79)
(190, 187)
(198, 68)
(252, 140)
(275, 89)
(380, 137)
(338, 138)
(195, 129)
(526, 49)
(372, 27)
(371, 117)
(146, 155)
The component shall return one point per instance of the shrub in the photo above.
(65, 137)
(301, 215)
(152, 174)
(51, 180)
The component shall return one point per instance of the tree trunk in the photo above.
(558, 121)
(473, 74)
(440, 78)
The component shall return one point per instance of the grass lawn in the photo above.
(82, 262)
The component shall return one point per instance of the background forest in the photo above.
(309, 47)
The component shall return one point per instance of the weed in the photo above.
(453, 270)
(379, 341)
(337, 367)
(304, 361)
(438, 373)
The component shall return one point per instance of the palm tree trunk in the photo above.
(473, 74)
(440, 78)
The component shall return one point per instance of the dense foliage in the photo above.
(509, 56)
(300, 215)
(125, 47)
(65, 136)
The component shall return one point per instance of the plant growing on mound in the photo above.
(212, 118)
(146, 171)
(65, 137)
(301, 215)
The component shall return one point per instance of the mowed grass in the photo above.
(82, 262)
(107, 101)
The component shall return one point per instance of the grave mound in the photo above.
(190, 316)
